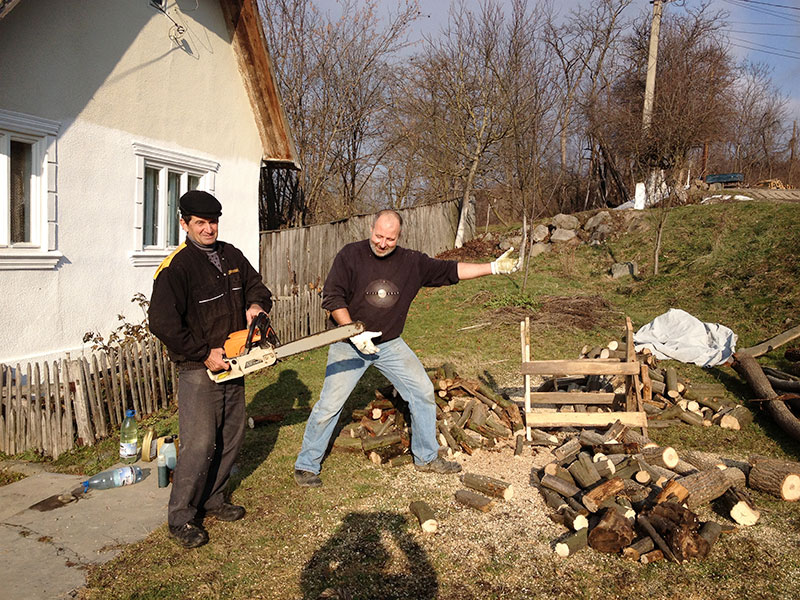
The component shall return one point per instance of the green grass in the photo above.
(735, 264)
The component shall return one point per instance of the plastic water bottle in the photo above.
(127, 475)
(170, 452)
(129, 438)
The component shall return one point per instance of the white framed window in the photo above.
(28, 171)
(162, 176)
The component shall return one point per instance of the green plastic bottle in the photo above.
(129, 438)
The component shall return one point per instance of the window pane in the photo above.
(173, 193)
(194, 182)
(150, 224)
(20, 200)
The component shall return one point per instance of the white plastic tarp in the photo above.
(679, 336)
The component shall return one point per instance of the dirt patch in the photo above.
(573, 312)
(472, 250)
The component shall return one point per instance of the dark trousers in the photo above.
(211, 418)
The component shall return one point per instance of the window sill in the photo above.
(149, 258)
(20, 260)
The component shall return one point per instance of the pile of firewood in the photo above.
(620, 493)
(469, 415)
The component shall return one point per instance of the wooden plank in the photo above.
(22, 411)
(80, 403)
(98, 418)
(139, 379)
(68, 418)
(541, 419)
(58, 445)
(47, 429)
(574, 397)
(594, 366)
(40, 413)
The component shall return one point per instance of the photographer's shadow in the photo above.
(370, 556)
(285, 402)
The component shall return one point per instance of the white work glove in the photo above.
(363, 342)
(504, 265)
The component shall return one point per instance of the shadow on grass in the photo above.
(285, 403)
(370, 556)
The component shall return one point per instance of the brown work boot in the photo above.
(440, 466)
(226, 512)
(189, 535)
(307, 478)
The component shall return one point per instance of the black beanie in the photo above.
(200, 204)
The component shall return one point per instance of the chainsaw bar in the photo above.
(260, 357)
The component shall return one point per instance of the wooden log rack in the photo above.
(637, 388)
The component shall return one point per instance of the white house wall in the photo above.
(110, 76)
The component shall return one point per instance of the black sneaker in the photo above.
(440, 466)
(307, 478)
(189, 535)
(227, 512)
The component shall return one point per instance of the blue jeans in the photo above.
(345, 367)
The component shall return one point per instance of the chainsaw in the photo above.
(258, 346)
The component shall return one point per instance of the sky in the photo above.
(765, 31)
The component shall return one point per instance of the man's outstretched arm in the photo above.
(502, 266)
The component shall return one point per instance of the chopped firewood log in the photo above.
(710, 532)
(541, 438)
(747, 367)
(474, 500)
(679, 527)
(444, 430)
(552, 499)
(742, 414)
(589, 437)
(460, 436)
(557, 470)
(704, 487)
(425, 516)
(737, 477)
(574, 519)
(776, 477)
(519, 442)
(737, 504)
(346, 442)
(661, 456)
(567, 450)
(583, 471)
(613, 449)
(384, 454)
(635, 492)
(371, 443)
(673, 491)
(612, 533)
(401, 460)
(633, 437)
(559, 485)
(604, 467)
(615, 432)
(572, 543)
(704, 461)
(595, 498)
(772, 343)
(655, 374)
(671, 382)
(684, 468)
(638, 548)
(651, 557)
(694, 395)
(488, 485)
(643, 521)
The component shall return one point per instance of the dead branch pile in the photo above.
(618, 492)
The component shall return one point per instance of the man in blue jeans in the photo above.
(374, 281)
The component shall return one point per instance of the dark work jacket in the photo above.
(194, 306)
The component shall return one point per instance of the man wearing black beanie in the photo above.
(205, 290)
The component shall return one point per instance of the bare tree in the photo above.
(453, 98)
(333, 78)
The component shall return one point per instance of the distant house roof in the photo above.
(249, 44)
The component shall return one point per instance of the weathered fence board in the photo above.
(52, 408)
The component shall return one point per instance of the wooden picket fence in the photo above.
(51, 407)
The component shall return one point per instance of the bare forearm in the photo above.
(473, 270)
(341, 316)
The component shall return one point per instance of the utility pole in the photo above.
(652, 56)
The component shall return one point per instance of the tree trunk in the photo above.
(571, 544)
(779, 478)
(488, 485)
(425, 516)
(737, 504)
(747, 366)
(704, 487)
(473, 500)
